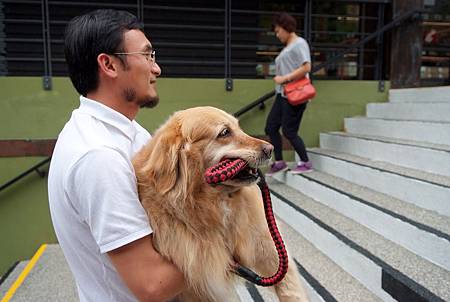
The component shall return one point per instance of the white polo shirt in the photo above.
(93, 196)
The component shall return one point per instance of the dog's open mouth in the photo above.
(232, 172)
(246, 174)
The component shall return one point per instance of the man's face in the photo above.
(140, 73)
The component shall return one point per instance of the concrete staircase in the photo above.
(377, 206)
(371, 223)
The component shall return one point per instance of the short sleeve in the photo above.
(102, 188)
(302, 52)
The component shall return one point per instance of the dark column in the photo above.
(406, 47)
(3, 65)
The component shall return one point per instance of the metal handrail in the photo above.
(35, 168)
(415, 13)
(254, 103)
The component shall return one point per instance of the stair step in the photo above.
(323, 279)
(49, 280)
(423, 219)
(374, 261)
(439, 180)
(423, 131)
(424, 94)
(330, 281)
(425, 241)
(437, 112)
(423, 189)
(420, 156)
(297, 248)
(7, 281)
(249, 292)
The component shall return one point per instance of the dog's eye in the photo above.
(225, 132)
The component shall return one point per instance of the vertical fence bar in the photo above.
(305, 20)
(44, 39)
(3, 62)
(362, 22)
(307, 29)
(140, 10)
(227, 42)
(308, 18)
(47, 80)
(379, 42)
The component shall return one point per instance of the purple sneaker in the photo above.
(303, 167)
(278, 166)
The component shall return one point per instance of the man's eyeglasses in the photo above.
(149, 55)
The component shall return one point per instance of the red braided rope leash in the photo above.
(226, 170)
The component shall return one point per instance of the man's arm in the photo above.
(148, 275)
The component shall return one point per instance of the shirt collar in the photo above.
(108, 116)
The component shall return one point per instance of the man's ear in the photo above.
(107, 65)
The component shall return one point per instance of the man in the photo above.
(98, 219)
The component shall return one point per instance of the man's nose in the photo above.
(156, 69)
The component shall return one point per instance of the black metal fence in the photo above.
(201, 38)
(436, 43)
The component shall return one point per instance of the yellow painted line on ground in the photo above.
(24, 274)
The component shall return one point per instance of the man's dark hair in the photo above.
(285, 21)
(87, 36)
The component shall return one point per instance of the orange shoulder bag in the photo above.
(300, 91)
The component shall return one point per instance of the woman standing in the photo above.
(293, 63)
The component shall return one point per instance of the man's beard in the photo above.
(144, 102)
(149, 102)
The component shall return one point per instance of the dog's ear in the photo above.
(160, 166)
(172, 162)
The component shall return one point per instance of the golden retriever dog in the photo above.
(204, 228)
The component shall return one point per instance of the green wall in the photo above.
(27, 111)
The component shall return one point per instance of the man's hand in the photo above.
(148, 275)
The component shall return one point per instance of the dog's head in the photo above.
(193, 140)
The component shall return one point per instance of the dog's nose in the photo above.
(267, 150)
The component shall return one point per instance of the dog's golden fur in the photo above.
(201, 228)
